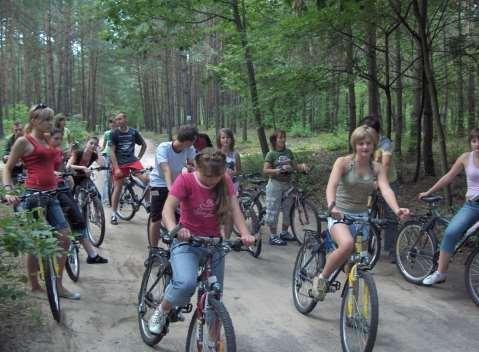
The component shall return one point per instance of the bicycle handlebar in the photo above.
(235, 245)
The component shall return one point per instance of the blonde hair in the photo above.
(39, 111)
(212, 162)
(361, 133)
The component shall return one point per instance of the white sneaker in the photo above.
(157, 322)
(435, 278)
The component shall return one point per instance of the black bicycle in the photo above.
(211, 328)
(417, 247)
(89, 201)
(132, 196)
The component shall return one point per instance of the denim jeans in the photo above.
(467, 216)
(106, 174)
(185, 260)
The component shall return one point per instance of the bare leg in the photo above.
(115, 197)
(32, 270)
(64, 243)
(88, 246)
(443, 262)
(342, 236)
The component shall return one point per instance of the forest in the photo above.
(302, 65)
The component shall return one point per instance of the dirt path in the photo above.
(258, 296)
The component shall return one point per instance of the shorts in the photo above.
(125, 169)
(158, 199)
(353, 228)
(51, 205)
(72, 212)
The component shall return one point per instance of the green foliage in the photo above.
(19, 113)
(78, 129)
(299, 130)
(21, 233)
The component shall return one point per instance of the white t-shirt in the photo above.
(176, 162)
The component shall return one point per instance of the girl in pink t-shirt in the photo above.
(207, 199)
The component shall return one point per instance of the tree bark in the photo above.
(241, 28)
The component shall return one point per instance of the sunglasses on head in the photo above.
(40, 106)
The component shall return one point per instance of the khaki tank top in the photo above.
(353, 190)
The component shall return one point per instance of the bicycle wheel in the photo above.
(51, 284)
(155, 280)
(72, 264)
(304, 216)
(359, 314)
(212, 330)
(472, 275)
(415, 252)
(374, 246)
(110, 185)
(254, 228)
(127, 204)
(309, 263)
(95, 216)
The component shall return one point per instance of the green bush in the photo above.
(299, 130)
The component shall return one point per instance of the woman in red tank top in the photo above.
(39, 159)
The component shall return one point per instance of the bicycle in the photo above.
(210, 313)
(48, 265)
(359, 306)
(417, 248)
(132, 196)
(89, 200)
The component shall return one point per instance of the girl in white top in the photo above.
(225, 141)
(467, 216)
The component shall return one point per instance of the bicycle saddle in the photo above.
(257, 181)
(432, 199)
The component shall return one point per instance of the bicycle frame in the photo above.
(131, 181)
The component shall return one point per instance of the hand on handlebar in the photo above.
(422, 195)
(183, 234)
(247, 239)
(336, 214)
(403, 213)
(12, 200)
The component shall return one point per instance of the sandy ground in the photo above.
(258, 296)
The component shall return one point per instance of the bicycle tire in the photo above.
(304, 218)
(110, 186)
(148, 301)
(98, 224)
(305, 269)
(471, 275)
(51, 285)
(254, 228)
(374, 246)
(415, 251)
(369, 290)
(223, 316)
(72, 264)
(126, 205)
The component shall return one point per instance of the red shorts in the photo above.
(125, 169)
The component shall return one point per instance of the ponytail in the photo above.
(223, 207)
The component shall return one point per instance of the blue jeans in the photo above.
(353, 228)
(467, 216)
(51, 205)
(185, 260)
(106, 175)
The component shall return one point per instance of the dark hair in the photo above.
(111, 120)
(229, 133)
(212, 162)
(55, 131)
(59, 118)
(474, 133)
(372, 121)
(16, 123)
(187, 133)
(274, 137)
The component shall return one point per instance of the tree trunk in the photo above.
(374, 105)
(241, 28)
(421, 17)
(399, 100)
(471, 99)
(428, 130)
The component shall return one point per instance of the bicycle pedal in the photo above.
(334, 286)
